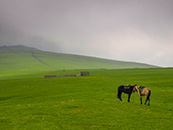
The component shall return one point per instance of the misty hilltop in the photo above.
(17, 47)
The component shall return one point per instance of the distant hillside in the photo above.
(13, 62)
(18, 47)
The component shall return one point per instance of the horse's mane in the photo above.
(133, 85)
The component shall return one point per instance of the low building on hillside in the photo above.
(50, 76)
(72, 75)
(84, 74)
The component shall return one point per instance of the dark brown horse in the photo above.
(128, 91)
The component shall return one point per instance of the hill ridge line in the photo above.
(42, 62)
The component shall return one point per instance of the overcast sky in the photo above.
(128, 30)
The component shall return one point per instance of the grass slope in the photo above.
(17, 62)
(86, 102)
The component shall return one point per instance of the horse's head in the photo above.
(134, 88)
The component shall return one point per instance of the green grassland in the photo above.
(29, 101)
(80, 103)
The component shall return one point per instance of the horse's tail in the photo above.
(119, 92)
(148, 97)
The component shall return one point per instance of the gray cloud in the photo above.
(131, 30)
(17, 37)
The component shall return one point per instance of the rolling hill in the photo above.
(22, 61)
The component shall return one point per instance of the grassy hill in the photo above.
(16, 62)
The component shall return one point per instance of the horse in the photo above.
(143, 91)
(125, 90)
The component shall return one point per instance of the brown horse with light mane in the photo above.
(143, 91)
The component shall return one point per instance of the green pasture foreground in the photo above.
(82, 103)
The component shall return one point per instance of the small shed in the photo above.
(72, 75)
(50, 76)
(84, 74)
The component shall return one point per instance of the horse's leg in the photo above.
(149, 97)
(141, 99)
(146, 99)
(129, 97)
